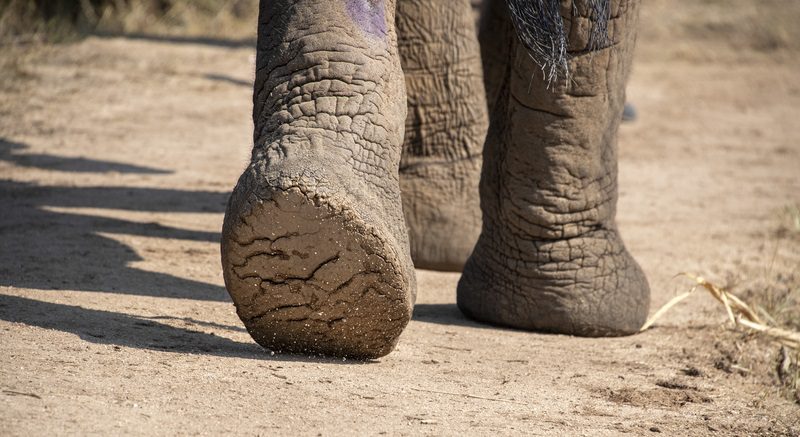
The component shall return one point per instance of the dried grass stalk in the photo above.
(739, 313)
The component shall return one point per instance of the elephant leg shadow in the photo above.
(443, 314)
(112, 328)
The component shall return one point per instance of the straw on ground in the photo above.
(739, 313)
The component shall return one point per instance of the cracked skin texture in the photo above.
(445, 129)
(314, 248)
(309, 278)
(315, 251)
(550, 257)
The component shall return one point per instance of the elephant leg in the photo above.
(444, 133)
(549, 256)
(314, 247)
(494, 33)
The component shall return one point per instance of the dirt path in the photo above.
(116, 157)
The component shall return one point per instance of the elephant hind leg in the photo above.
(445, 129)
(550, 257)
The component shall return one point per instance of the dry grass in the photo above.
(763, 303)
(774, 313)
(231, 19)
(789, 226)
(27, 29)
(739, 312)
(23, 20)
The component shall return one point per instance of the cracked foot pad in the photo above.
(308, 278)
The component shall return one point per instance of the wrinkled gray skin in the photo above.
(445, 129)
(359, 164)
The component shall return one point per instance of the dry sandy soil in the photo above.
(116, 159)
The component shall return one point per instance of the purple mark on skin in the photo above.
(369, 15)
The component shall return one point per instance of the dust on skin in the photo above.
(369, 15)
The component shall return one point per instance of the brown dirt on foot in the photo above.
(116, 159)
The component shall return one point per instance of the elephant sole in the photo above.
(309, 277)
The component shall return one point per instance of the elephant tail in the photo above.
(540, 27)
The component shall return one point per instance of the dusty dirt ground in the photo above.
(116, 158)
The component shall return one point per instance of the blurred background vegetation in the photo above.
(702, 27)
(65, 20)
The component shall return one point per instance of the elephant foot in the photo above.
(310, 274)
(587, 286)
(315, 252)
(444, 131)
(442, 212)
(550, 257)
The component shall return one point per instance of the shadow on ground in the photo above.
(10, 152)
(125, 330)
(230, 80)
(444, 314)
(449, 314)
(46, 249)
(106, 327)
(174, 39)
(35, 239)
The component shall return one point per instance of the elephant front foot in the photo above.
(588, 285)
(311, 274)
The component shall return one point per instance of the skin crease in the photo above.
(445, 129)
(550, 257)
(315, 248)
